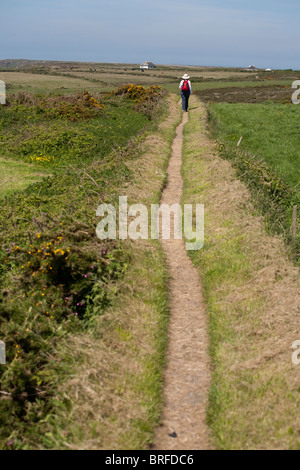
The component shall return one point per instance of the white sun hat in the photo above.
(185, 76)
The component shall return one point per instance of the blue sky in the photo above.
(188, 32)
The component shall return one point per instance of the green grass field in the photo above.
(269, 131)
(267, 159)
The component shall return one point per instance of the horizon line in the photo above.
(136, 63)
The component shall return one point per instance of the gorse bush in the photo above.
(145, 99)
(53, 280)
(41, 159)
(138, 93)
(56, 284)
(74, 107)
(82, 106)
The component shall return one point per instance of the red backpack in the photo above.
(185, 86)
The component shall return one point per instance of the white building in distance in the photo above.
(251, 68)
(147, 65)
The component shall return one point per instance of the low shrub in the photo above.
(71, 107)
(145, 99)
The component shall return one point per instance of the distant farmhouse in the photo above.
(252, 68)
(147, 65)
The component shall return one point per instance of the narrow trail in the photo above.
(187, 374)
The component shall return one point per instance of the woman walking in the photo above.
(185, 91)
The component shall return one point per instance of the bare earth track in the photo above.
(187, 375)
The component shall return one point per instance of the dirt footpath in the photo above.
(187, 375)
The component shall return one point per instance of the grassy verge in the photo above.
(252, 296)
(267, 159)
(58, 282)
(268, 130)
(56, 276)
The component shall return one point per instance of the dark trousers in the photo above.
(185, 100)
